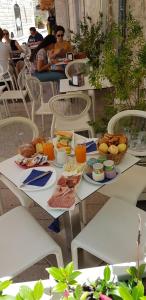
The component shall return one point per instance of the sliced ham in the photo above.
(63, 197)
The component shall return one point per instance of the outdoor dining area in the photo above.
(72, 164)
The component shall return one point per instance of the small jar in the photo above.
(98, 172)
(90, 163)
(101, 158)
(98, 176)
(109, 165)
(98, 168)
(110, 174)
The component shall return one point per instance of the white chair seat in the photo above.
(129, 186)
(112, 233)
(77, 125)
(44, 109)
(23, 242)
(13, 94)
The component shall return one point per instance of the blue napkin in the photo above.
(40, 181)
(92, 147)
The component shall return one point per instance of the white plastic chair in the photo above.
(23, 242)
(114, 126)
(71, 112)
(17, 94)
(35, 91)
(76, 66)
(15, 131)
(112, 234)
(130, 184)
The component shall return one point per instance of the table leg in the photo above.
(72, 224)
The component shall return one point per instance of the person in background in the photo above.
(51, 22)
(4, 53)
(39, 60)
(35, 37)
(62, 46)
(13, 44)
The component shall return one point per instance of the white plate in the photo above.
(87, 178)
(32, 188)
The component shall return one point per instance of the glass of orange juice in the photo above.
(48, 149)
(80, 153)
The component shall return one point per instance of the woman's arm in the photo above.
(18, 46)
(41, 66)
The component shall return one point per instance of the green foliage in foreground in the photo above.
(67, 284)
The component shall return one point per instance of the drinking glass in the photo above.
(80, 153)
(48, 149)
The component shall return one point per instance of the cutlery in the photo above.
(35, 178)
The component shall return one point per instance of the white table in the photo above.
(11, 171)
(65, 87)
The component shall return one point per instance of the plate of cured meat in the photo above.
(64, 196)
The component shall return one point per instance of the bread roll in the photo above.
(27, 150)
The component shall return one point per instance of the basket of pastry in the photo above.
(113, 146)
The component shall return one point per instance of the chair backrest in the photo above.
(21, 79)
(35, 92)
(133, 124)
(77, 66)
(70, 106)
(15, 131)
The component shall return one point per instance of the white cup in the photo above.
(61, 156)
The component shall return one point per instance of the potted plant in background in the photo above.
(123, 63)
(88, 41)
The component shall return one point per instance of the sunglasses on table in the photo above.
(60, 35)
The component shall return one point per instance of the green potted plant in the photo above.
(123, 63)
(88, 41)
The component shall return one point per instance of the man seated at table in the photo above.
(35, 37)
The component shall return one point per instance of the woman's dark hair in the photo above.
(48, 40)
(1, 34)
(59, 28)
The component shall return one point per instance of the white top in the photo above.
(4, 56)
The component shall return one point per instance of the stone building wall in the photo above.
(7, 16)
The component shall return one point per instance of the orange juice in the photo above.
(48, 149)
(80, 153)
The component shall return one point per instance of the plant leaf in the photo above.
(60, 287)
(138, 291)
(141, 270)
(56, 273)
(132, 271)
(5, 284)
(26, 292)
(69, 268)
(74, 275)
(84, 296)
(124, 293)
(38, 290)
(107, 273)
(78, 291)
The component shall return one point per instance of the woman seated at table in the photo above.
(39, 60)
(15, 51)
(62, 46)
(13, 44)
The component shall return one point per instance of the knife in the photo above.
(35, 178)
